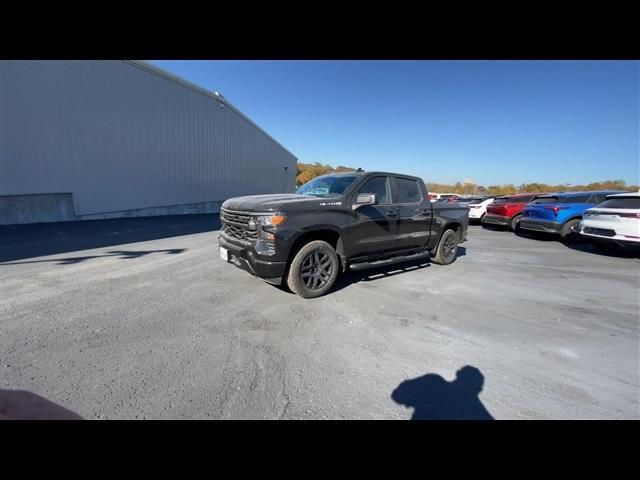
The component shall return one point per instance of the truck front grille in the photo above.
(236, 225)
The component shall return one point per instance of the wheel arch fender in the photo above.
(326, 232)
(453, 225)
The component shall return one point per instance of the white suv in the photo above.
(478, 209)
(614, 222)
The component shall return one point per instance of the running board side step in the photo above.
(388, 261)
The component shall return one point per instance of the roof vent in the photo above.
(220, 97)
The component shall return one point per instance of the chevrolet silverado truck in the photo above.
(338, 222)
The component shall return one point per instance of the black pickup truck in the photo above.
(352, 220)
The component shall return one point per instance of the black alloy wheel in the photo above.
(316, 270)
(450, 248)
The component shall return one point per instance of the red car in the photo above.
(507, 211)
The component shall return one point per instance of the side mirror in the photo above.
(364, 199)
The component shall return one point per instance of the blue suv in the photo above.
(560, 213)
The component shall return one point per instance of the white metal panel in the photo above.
(119, 136)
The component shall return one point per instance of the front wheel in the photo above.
(447, 248)
(313, 270)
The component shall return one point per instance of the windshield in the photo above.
(326, 186)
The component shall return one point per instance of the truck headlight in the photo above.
(270, 220)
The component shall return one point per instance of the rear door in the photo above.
(376, 225)
(413, 213)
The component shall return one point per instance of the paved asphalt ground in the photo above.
(140, 318)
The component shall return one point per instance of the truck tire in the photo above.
(313, 270)
(569, 232)
(447, 248)
(515, 223)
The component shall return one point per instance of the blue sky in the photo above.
(493, 121)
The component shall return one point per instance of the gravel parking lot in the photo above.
(140, 318)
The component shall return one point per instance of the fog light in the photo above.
(263, 248)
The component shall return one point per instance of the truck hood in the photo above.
(272, 202)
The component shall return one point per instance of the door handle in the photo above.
(392, 213)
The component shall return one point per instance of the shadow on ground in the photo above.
(123, 254)
(583, 245)
(21, 405)
(617, 252)
(351, 277)
(433, 398)
(35, 240)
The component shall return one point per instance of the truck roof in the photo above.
(360, 174)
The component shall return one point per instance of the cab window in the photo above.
(406, 190)
(380, 187)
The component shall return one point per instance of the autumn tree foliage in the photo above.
(308, 171)
(510, 189)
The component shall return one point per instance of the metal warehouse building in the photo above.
(102, 139)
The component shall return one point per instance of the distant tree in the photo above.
(309, 171)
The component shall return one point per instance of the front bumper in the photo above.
(496, 219)
(246, 258)
(540, 225)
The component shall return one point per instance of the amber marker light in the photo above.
(277, 219)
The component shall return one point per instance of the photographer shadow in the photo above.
(22, 405)
(433, 398)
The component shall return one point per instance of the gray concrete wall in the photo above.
(58, 207)
(54, 207)
(122, 136)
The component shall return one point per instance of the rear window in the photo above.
(471, 200)
(633, 203)
(575, 199)
(526, 199)
(545, 200)
(557, 199)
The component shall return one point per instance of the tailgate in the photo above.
(541, 212)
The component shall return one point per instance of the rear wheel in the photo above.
(313, 270)
(447, 248)
(570, 232)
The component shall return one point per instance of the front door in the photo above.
(375, 228)
(414, 213)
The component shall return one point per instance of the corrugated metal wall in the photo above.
(119, 137)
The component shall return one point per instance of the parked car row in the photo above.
(606, 218)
